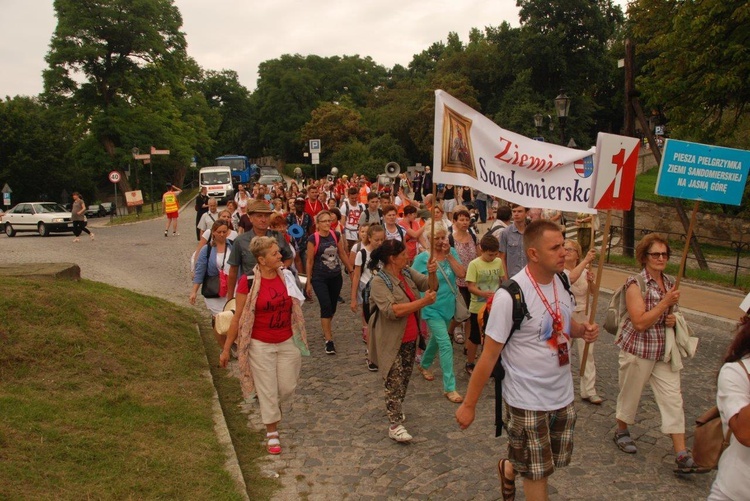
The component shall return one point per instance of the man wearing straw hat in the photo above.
(241, 259)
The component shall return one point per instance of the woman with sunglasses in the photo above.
(642, 341)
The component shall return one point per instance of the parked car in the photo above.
(269, 176)
(92, 211)
(106, 209)
(42, 217)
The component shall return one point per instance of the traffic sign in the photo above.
(314, 146)
(114, 176)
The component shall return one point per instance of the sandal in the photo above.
(273, 446)
(458, 337)
(593, 399)
(507, 486)
(469, 368)
(429, 376)
(624, 442)
(454, 397)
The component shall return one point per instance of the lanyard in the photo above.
(556, 316)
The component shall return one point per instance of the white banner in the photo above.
(472, 150)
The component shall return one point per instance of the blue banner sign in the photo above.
(701, 172)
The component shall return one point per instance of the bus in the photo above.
(242, 170)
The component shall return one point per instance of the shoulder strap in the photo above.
(386, 279)
(363, 251)
(348, 207)
(451, 240)
(400, 231)
(473, 236)
(520, 310)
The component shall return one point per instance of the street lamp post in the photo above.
(562, 107)
(538, 122)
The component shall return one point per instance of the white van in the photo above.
(218, 181)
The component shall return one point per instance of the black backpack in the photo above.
(380, 216)
(520, 312)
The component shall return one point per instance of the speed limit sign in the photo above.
(114, 176)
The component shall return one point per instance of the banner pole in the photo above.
(592, 243)
(432, 277)
(600, 269)
(686, 249)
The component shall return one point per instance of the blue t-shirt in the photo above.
(444, 306)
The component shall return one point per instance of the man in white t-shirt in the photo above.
(351, 209)
(538, 386)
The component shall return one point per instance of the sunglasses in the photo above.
(657, 255)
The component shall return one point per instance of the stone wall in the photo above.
(664, 218)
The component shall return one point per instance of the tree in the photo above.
(35, 153)
(697, 66)
(120, 70)
(335, 125)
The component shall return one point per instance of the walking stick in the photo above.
(592, 242)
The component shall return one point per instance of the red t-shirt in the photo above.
(412, 330)
(273, 310)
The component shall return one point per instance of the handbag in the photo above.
(709, 441)
(462, 311)
(211, 287)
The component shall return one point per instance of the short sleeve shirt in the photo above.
(511, 243)
(444, 306)
(534, 379)
(244, 259)
(487, 276)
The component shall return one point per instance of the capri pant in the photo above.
(327, 290)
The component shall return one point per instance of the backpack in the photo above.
(367, 310)
(367, 216)
(496, 229)
(709, 440)
(316, 236)
(617, 310)
(520, 312)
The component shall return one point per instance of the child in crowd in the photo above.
(483, 277)
(361, 241)
(362, 274)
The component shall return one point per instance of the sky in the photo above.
(240, 34)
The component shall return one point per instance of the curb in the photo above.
(232, 465)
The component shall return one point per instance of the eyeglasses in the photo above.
(571, 249)
(657, 255)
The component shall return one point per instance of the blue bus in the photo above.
(242, 170)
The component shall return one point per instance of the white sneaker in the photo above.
(399, 434)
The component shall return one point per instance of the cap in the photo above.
(258, 207)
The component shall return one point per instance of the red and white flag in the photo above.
(614, 176)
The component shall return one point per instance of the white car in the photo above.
(42, 217)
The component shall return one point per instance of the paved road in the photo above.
(334, 439)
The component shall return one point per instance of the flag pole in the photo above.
(686, 249)
(592, 243)
(600, 269)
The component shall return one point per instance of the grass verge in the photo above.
(103, 395)
(249, 444)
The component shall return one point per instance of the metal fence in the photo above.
(740, 249)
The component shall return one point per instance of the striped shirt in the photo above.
(648, 344)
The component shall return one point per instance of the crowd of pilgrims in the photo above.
(275, 247)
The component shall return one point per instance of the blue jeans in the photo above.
(439, 340)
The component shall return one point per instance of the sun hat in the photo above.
(223, 320)
(258, 207)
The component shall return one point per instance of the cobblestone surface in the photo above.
(335, 436)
